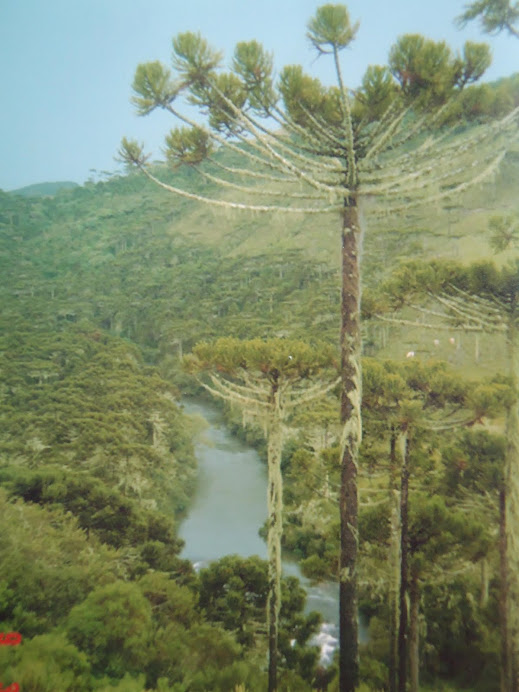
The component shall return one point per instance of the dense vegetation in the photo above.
(104, 288)
(97, 460)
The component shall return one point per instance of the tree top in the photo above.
(271, 358)
(331, 29)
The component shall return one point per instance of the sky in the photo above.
(67, 66)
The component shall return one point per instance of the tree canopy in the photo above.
(494, 15)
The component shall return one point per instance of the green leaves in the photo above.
(439, 533)
(476, 60)
(331, 29)
(495, 15)
(114, 627)
(194, 59)
(475, 461)
(52, 565)
(491, 399)
(286, 357)
(131, 153)
(428, 72)
(187, 145)
(47, 662)
(416, 279)
(103, 410)
(412, 392)
(254, 66)
(306, 98)
(153, 87)
(226, 103)
(377, 93)
(424, 68)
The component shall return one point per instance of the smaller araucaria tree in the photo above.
(267, 380)
(414, 400)
(478, 298)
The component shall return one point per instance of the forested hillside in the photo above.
(106, 288)
(97, 459)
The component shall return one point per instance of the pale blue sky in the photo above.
(67, 66)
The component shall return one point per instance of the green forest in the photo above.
(345, 287)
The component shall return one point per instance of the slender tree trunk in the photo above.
(275, 528)
(404, 549)
(395, 566)
(503, 593)
(483, 594)
(414, 635)
(351, 396)
(394, 604)
(512, 509)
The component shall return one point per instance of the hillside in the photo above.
(165, 272)
(103, 288)
(44, 189)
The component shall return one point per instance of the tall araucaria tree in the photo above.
(309, 149)
(267, 381)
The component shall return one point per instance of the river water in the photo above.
(229, 508)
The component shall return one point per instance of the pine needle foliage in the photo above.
(494, 15)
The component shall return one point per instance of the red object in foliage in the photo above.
(13, 687)
(10, 639)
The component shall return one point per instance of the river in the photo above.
(229, 508)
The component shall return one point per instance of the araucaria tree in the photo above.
(267, 381)
(480, 298)
(309, 149)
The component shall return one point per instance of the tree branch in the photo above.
(235, 205)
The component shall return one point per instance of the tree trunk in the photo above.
(394, 587)
(275, 511)
(351, 395)
(503, 593)
(483, 594)
(404, 549)
(394, 558)
(512, 510)
(414, 635)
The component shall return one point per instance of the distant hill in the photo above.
(44, 189)
(166, 272)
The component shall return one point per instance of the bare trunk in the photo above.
(512, 511)
(414, 635)
(394, 586)
(275, 510)
(483, 595)
(352, 429)
(503, 593)
(404, 569)
(394, 591)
